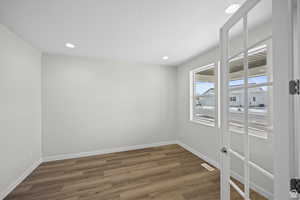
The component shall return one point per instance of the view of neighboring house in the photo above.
(257, 113)
(207, 98)
(257, 98)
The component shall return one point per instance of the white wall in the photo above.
(92, 104)
(206, 139)
(20, 108)
(202, 138)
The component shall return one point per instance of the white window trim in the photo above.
(191, 103)
(216, 65)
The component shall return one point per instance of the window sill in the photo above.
(209, 124)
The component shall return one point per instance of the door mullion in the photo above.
(246, 136)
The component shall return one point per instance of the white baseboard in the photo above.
(105, 151)
(200, 155)
(253, 186)
(26, 173)
(128, 148)
(77, 155)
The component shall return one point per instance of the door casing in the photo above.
(283, 102)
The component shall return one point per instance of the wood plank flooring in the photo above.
(160, 173)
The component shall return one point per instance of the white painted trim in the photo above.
(238, 189)
(224, 97)
(203, 68)
(248, 5)
(282, 56)
(246, 118)
(105, 151)
(253, 186)
(25, 174)
(200, 155)
(253, 165)
(192, 72)
(203, 122)
(235, 175)
(296, 75)
(120, 149)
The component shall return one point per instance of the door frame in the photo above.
(296, 75)
(283, 102)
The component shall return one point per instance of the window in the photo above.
(233, 99)
(260, 89)
(260, 86)
(203, 101)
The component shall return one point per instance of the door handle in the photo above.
(224, 150)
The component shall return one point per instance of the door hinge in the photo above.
(295, 187)
(294, 86)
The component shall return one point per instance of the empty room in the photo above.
(149, 100)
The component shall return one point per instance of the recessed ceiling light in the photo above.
(70, 45)
(165, 57)
(232, 8)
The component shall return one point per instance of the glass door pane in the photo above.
(260, 101)
(236, 111)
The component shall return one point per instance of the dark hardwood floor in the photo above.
(159, 173)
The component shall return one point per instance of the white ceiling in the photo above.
(140, 31)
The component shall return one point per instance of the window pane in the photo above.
(259, 111)
(204, 95)
(236, 71)
(257, 68)
(259, 101)
(236, 110)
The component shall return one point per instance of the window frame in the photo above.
(215, 66)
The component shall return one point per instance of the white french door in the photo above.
(286, 17)
(246, 94)
(295, 76)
